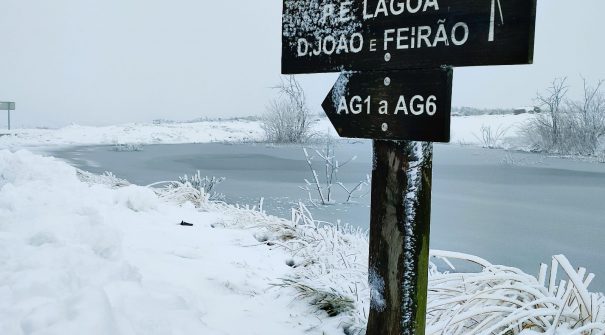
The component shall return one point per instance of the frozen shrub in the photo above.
(287, 119)
(127, 147)
(568, 126)
(205, 184)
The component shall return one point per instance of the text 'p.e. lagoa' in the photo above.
(333, 35)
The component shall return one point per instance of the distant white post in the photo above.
(8, 106)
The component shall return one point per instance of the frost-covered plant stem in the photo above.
(357, 187)
(316, 183)
(330, 177)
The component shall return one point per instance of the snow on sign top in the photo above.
(367, 35)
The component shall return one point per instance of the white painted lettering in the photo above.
(342, 106)
(387, 38)
(328, 50)
(414, 10)
(402, 38)
(401, 106)
(303, 47)
(356, 42)
(384, 108)
(417, 109)
(327, 13)
(343, 45)
(457, 27)
(431, 3)
(424, 32)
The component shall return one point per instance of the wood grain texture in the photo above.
(399, 238)
(513, 36)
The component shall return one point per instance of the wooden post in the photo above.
(399, 237)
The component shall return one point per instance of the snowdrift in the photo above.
(84, 254)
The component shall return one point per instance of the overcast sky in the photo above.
(103, 62)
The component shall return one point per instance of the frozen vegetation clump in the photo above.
(566, 126)
(194, 189)
(490, 137)
(127, 147)
(288, 119)
(107, 178)
(205, 184)
(330, 270)
(325, 183)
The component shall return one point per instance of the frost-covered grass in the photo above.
(329, 265)
(85, 254)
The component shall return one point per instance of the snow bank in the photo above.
(465, 130)
(81, 258)
(95, 255)
(137, 133)
(505, 129)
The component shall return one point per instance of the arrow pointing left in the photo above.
(412, 105)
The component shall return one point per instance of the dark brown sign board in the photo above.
(395, 105)
(373, 35)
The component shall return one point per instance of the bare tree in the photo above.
(568, 126)
(288, 118)
(589, 118)
(551, 101)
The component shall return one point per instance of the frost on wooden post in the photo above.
(376, 283)
(420, 152)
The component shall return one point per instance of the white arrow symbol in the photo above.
(493, 19)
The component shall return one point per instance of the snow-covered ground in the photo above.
(505, 129)
(137, 133)
(465, 130)
(80, 258)
(85, 254)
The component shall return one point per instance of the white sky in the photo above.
(113, 61)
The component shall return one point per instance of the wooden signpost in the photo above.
(396, 58)
(8, 106)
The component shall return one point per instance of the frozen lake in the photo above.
(516, 214)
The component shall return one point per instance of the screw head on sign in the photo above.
(387, 81)
(385, 127)
(387, 57)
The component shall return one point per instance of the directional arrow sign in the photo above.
(369, 35)
(399, 105)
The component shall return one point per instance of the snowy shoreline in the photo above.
(81, 253)
(90, 254)
(466, 130)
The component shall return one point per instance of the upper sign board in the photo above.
(373, 35)
(5, 106)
